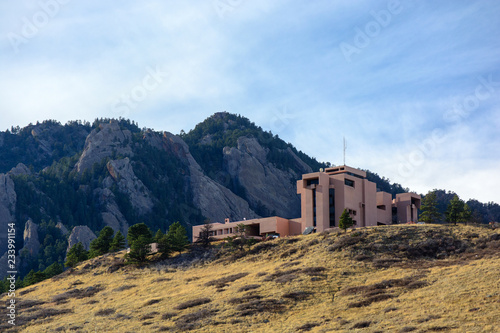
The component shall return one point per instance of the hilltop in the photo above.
(62, 184)
(402, 278)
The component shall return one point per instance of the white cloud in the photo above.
(262, 57)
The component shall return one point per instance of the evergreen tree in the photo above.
(137, 230)
(345, 220)
(139, 249)
(140, 239)
(76, 254)
(53, 270)
(466, 214)
(164, 246)
(158, 236)
(178, 237)
(101, 244)
(430, 213)
(118, 242)
(205, 237)
(33, 277)
(454, 210)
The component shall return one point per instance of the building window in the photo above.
(349, 182)
(352, 212)
(314, 207)
(331, 193)
(382, 207)
(312, 181)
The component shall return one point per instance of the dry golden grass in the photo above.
(292, 285)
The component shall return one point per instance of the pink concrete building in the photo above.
(324, 196)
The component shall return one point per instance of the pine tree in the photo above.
(466, 214)
(139, 249)
(158, 236)
(345, 220)
(177, 237)
(140, 239)
(76, 254)
(101, 244)
(118, 242)
(205, 238)
(139, 229)
(430, 213)
(53, 270)
(33, 277)
(454, 210)
(164, 247)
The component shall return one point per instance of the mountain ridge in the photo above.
(112, 173)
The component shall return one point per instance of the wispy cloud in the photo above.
(261, 57)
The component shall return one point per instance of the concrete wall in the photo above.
(384, 216)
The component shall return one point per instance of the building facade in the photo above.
(324, 196)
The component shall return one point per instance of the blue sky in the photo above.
(414, 86)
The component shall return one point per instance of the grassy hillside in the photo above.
(406, 278)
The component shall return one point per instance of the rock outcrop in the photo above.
(30, 239)
(82, 234)
(8, 200)
(214, 200)
(265, 185)
(63, 229)
(20, 170)
(122, 173)
(106, 141)
(111, 214)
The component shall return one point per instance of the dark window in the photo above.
(314, 207)
(312, 181)
(382, 207)
(349, 182)
(331, 193)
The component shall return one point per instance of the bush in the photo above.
(193, 303)
(223, 282)
(105, 312)
(249, 287)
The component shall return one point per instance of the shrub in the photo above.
(369, 300)
(150, 315)
(249, 287)
(105, 312)
(193, 303)
(192, 320)
(362, 324)
(244, 299)
(223, 282)
(307, 326)
(168, 315)
(77, 293)
(258, 306)
(297, 295)
(313, 271)
(125, 287)
(152, 301)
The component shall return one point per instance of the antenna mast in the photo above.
(345, 147)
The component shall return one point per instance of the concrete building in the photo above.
(256, 227)
(324, 196)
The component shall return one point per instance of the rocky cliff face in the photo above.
(7, 208)
(63, 229)
(106, 141)
(82, 234)
(265, 185)
(215, 201)
(111, 214)
(30, 239)
(20, 170)
(123, 174)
